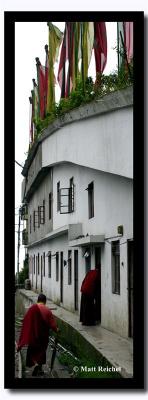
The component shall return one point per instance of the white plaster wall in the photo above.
(49, 285)
(41, 193)
(113, 206)
(113, 200)
(103, 142)
(114, 307)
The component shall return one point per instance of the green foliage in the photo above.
(24, 273)
(86, 93)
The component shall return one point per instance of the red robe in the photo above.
(35, 332)
(90, 282)
(90, 303)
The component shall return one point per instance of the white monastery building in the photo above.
(78, 188)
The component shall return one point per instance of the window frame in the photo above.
(38, 263)
(34, 263)
(49, 264)
(69, 267)
(71, 195)
(115, 265)
(30, 221)
(90, 189)
(44, 263)
(39, 217)
(57, 266)
(42, 213)
(58, 196)
(50, 205)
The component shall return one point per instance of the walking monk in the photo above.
(37, 322)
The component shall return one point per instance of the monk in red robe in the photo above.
(90, 297)
(37, 322)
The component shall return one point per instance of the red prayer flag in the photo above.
(70, 30)
(100, 46)
(63, 58)
(42, 90)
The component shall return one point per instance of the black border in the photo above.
(137, 382)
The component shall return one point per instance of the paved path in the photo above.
(116, 349)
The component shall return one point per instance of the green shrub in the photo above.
(84, 94)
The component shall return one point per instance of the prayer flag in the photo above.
(125, 43)
(55, 39)
(100, 46)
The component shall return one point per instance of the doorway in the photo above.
(32, 262)
(97, 255)
(87, 260)
(130, 288)
(36, 272)
(98, 295)
(61, 278)
(76, 280)
(41, 271)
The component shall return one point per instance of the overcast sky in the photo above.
(30, 39)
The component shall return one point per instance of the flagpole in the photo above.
(82, 65)
(125, 55)
(37, 67)
(118, 45)
(46, 66)
(30, 120)
(63, 89)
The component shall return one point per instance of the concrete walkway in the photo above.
(116, 349)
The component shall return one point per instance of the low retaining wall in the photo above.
(74, 340)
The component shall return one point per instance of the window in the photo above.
(30, 223)
(67, 199)
(42, 213)
(49, 265)
(58, 196)
(69, 267)
(34, 264)
(38, 263)
(41, 269)
(115, 248)
(35, 219)
(57, 266)
(38, 216)
(71, 195)
(36, 271)
(90, 200)
(50, 205)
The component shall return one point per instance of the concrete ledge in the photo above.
(107, 103)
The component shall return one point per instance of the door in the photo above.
(76, 280)
(61, 278)
(98, 294)
(97, 255)
(41, 271)
(32, 269)
(130, 287)
(36, 272)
